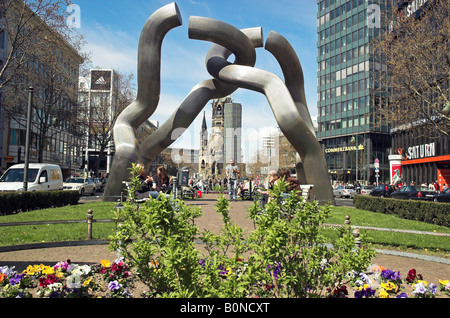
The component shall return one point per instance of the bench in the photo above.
(306, 190)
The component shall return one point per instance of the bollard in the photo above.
(357, 239)
(90, 217)
(347, 222)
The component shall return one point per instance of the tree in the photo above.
(24, 25)
(42, 52)
(412, 65)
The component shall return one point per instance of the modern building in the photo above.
(52, 70)
(346, 100)
(420, 154)
(97, 94)
(225, 138)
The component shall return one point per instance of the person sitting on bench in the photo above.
(146, 191)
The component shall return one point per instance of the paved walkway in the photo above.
(89, 252)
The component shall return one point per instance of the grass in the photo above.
(26, 234)
(14, 235)
(420, 243)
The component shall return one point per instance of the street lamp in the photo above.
(27, 139)
(354, 140)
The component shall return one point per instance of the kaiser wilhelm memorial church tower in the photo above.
(224, 141)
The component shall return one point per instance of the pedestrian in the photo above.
(161, 180)
(436, 186)
(231, 171)
(293, 183)
(273, 177)
(146, 189)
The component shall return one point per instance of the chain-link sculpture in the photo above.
(287, 99)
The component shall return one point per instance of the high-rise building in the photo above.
(346, 100)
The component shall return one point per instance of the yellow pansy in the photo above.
(59, 274)
(105, 263)
(444, 282)
(32, 270)
(87, 281)
(388, 286)
(425, 283)
(384, 293)
(48, 270)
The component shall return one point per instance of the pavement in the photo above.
(92, 252)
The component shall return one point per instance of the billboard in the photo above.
(101, 80)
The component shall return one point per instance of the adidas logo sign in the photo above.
(100, 81)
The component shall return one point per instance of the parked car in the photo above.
(344, 191)
(41, 177)
(82, 185)
(382, 190)
(366, 189)
(414, 193)
(444, 196)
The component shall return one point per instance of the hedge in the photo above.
(14, 202)
(425, 211)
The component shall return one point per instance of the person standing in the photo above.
(231, 171)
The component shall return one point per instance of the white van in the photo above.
(41, 177)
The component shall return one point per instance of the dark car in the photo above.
(414, 193)
(444, 196)
(382, 190)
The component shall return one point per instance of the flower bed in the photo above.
(116, 280)
(68, 280)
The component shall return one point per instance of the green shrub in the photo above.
(14, 202)
(285, 256)
(424, 211)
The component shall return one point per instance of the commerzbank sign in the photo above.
(343, 149)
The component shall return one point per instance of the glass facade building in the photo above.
(345, 91)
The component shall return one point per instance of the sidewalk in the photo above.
(92, 252)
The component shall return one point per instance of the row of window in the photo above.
(342, 25)
(345, 89)
(337, 12)
(340, 44)
(344, 73)
(343, 106)
(343, 123)
(59, 144)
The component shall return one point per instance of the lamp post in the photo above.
(27, 139)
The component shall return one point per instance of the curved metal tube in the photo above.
(292, 70)
(286, 113)
(149, 69)
(241, 44)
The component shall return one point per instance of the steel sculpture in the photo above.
(242, 47)
(287, 113)
(148, 90)
(287, 99)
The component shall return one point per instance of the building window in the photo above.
(17, 137)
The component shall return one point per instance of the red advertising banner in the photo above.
(443, 177)
(396, 173)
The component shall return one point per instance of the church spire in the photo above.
(204, 134)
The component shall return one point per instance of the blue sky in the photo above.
(112, 29)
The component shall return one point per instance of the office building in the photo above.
(346, 100)
(97, 94)
(49, 64)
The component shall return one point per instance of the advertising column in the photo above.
(395, 165)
